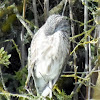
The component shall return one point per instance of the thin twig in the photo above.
(46, 9)
(90, 68)
(85, 29)
(74, 54)
(96, 94)
(40, 4)
(54, 10)
(2, 80)
(35, 12)
(22, 37)
(86, 46)
(25, 25)
(87, 76)
(64, 7)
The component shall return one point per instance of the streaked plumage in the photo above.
(49, 52)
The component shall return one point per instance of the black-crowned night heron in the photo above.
(48, 54)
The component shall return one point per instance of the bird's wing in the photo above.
(48, 53)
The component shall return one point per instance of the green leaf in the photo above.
(4, 58)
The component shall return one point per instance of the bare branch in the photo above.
(35, 12)
(22, 37)
(46, 8)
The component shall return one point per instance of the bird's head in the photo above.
(56, 23)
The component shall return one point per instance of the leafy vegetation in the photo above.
(4, 58)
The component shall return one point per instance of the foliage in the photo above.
(21, 77)
(4, 58)
(61, 95)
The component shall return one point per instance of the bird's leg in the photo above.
(48, 90)
(50, 86)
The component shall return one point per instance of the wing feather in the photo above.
(48, 55)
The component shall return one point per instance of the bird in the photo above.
(48, 54)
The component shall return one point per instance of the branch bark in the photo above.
(35, 12)
(46, 9)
